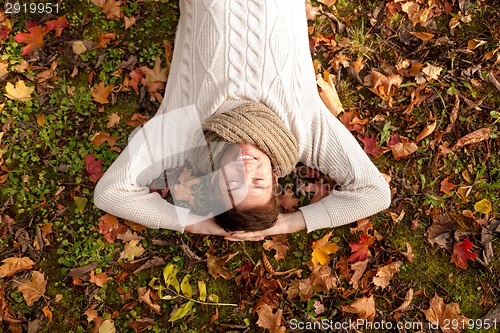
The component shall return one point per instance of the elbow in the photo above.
(383, 195)
(100, 195)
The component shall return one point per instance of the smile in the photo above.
(244, 156)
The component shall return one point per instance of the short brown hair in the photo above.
(253, 219)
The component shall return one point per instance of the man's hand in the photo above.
(204, 225)
(286, 224)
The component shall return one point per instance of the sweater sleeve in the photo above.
(361, 189)
(162, 143)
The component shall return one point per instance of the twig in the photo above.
(244, 250)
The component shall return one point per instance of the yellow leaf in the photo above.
(186, 287)
(20, 92)
(483, 206)
(203, 290)
(41, 120)
(80, 203)
(322, 250)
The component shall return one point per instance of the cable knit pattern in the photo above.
(229, 52)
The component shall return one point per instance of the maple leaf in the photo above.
(359, 268)
(370, 146)
(135, 78)
(93, 167)
(352, 122)
(137, 119)
(34, 289)
(403, 149)
(20, 92)
(132, 250)
(100, 137)
(109, 227)
(112, 9)
(442, 314)
(144, 296)
(13, 265)
(100, 93)
(4, 32)
(113, 120)
(385, 274)
(322, 279)
(129, 21)
(99, 279)
(183, 191)
(363, 225)
(155, 78)
(34, 39)
(311, 11)
(216, 265)
(322, 250)
(385, 86)
(277, 243)
(288, 200)
(270, 320)
(360, 250)
(363, 307)
(462, 252)
(446, 186)
(57, 25)
(104, 39)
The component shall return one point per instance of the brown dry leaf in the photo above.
(328, 3)
(132, 250)
(100, 137)
(145, 297)
(277, 243)
(385, 86)
(99, 279)
(155, 78)
(444, 314)
(104, 39)
(364, 307)
(113, 120)
(424, 36)
(322, 279)
(100, 93)
(362, 225)
(359, 268)
(403, 149)
(13, 265)
(34, 289)
(475, 43)
(111, 9)
(474, 137)
(4, 68)
(329, 94)
(432, 72)
(270, 320)
(409, 253)
(137, 119)
(311, 11)
(322, 250)
(426, 131)
(129, 21)
(20, 92)
(407, 301)
(447, 186)
(183, 190)
(385, 274)
(288, 200)
(216, 265)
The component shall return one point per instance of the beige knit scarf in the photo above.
(252, 123)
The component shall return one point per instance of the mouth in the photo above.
(244, 156)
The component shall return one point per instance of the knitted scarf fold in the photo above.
(252, 123)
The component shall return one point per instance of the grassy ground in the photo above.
(46, 194)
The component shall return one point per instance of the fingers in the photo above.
(241, 238)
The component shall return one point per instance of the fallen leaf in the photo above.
(385, 274)
(473, 137)
(33, 39)
(129, 21)
(135, 78)
(462, 253)
(20, 92)
(132, 250)
(33, 289)
(322, 249)
(447, 186)
(107, 326)
(370, 146)
(403, 149)
(322, 279)
(113, 120)
(319, 308)
(432, 72)
(216, 265)
(57, 25)
(80, 203)
(311, 11)
(78, 47)
(363, 225)
(426, 131)
(13, 265)
(145, 297)
(359, 268)
(444, 314)
(155, 78)
(277, 243)
(483, 206)
(385, 86)
(99, 279)
(360, 250)
(4, 32)
(270, 319)
(100, 137)
(100, 93)
(47, 313)
(137, 119)
(104, 39)
(424, 36)
(109, 227)
(475, 43)
(408, 254)
(364, 307)
(93, 167)
(288, 200)
(183, 191)
(329, 94)
(406, 302)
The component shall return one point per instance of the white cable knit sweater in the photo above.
(226, 53)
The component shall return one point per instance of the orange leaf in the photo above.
(100, 93)
(112, 9)
(13, 265)
(360, 250)
(322, 250)
(34, 39)
(462, 253)
(109, 227)
(34, 289)
(446, 186)
(144, 296)
(113, 120)
(426, 131)
(100, 137)
(474, 137)
(99, 279)
(385, 86)
(137, 119)
(329, 94)
(403, 149)
(288, 200)
(57, 25)
(104, 39)
(424, 36)
(385, 274)
(216, 266)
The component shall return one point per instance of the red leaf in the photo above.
(462, 252)
(57, 25)
(34, 39)
(136, 77)
(4, 32)
(93, 167)
(360, 250)
(393, 140)
(109, 227)
(370, 146)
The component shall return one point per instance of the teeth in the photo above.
(245, 157)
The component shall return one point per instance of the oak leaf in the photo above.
(99, 279)
(385, 274)
(93, 167)
(444, 314)
(100, 93)
(462, 253)
(33, 39)
(270, 320)
(34, 289)
(360, 250)
(216, 265)
(20, 92)
(364, 307)
(322, 249)
(13, 265)
(132, 250)
(277, 243)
